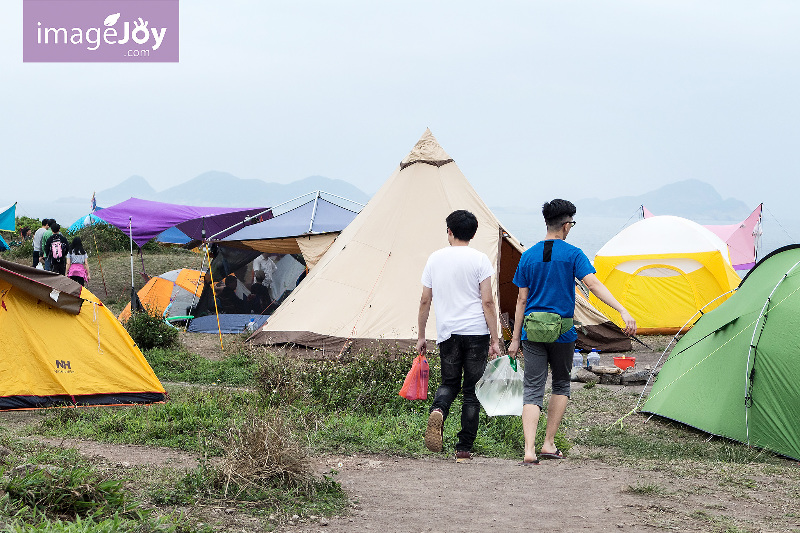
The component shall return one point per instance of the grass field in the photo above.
(339, 407)
(234, 408)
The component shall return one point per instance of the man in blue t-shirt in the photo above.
(546, 279)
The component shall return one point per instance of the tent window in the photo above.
(660, 264)
(659, 272)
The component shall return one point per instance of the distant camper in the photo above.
(57, 248)
(77, 262)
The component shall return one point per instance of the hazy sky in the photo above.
(532, 99)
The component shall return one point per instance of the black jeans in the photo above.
(462, 355)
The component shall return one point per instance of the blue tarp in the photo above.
(227, 323)
(86, 220)
(3, 245)
(173, 236)
(328, 217)
(8, 218)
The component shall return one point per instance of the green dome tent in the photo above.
(736, 373)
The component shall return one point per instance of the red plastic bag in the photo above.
(415, 387)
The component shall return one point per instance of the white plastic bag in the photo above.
(39, 266)
(500, 388)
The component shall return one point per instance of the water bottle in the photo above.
(593, 359)
(251, 326)
(577, 362)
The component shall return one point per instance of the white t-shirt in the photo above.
(267, 266)
(37, 239)
(454, 274)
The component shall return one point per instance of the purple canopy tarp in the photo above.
(148, 219)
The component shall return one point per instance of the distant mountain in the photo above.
(226, 190)
(692, 199)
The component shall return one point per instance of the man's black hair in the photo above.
(463, 224)
(230, 282)
(55, 226)
(557, 212)
(45, 222)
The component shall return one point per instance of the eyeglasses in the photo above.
(571, 223)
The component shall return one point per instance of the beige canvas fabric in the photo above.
(367, 286)
(313, 247)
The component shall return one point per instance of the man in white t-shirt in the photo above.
(266, 263)
(37, 240)
(458, 279)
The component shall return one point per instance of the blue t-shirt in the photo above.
(548, 270)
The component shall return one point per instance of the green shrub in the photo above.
(74, 491)
(363, 383)
(148, 330)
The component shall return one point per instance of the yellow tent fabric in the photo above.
(52, 357)
(663, 270)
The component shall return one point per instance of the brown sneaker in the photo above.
(463, 457)
(433, 433)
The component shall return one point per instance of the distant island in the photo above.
(692, 199)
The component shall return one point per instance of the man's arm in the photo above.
(490, 314)
(519, 318)
(422, 318)
(602, 292)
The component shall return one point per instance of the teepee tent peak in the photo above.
(427, 150)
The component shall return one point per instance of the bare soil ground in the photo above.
(435, 494)
(574, 494)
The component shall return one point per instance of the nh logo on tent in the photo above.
(63, 364)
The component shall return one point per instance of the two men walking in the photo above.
(457, 280)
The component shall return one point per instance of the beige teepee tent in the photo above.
(365, 290)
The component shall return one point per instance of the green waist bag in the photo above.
(545, 327)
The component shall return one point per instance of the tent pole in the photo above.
(313, 212)
(214, 295)
(99, 261)
(213, 290)
(202, 265)
(134, 306)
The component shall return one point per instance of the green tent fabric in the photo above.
(736, 373)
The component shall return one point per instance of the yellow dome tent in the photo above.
(63, 347)
(663, 269)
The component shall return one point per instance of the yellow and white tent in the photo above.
(366, 288)
(62, 347)
(663, 270)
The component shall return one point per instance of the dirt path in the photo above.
(487, 494)
(434, 494)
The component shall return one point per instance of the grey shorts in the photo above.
(538, 355)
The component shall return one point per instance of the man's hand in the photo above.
(513, 349)
(422, 346)
(494, 350)
(630, 323)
